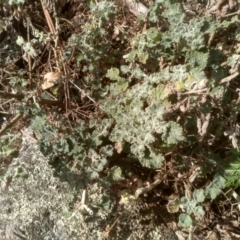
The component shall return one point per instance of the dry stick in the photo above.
(66, 92)
(52, 29)
(229, 78)
(106, 233)
(66, 87)
(56, 57)
(18, 96)
(84, 94)
(29, 136)
(64, 19)
(212, 35)
(82, 91)
(83, 205)
(56, 27)
(231, 14)
(140, 191)
(218, 5)
(193, 91)
(50, 102)
(48, 18)
(10, 124)
(29, 57)
(7, 95)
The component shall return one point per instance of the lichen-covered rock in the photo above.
(32, 200)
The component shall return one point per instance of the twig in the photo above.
(57, 26)
(83, 206)
(7, 95)
(194, 91)
(106, 233)
(231, 14)
(212, 35)
(82, 91)
(229, 78)
(29, 57)
(29, 136)
(48, 18)
(140, 191)
(10, 124)
(190, 233)
(20, 96)
(84, 193)
(64, 19)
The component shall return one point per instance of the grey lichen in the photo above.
(32, 200)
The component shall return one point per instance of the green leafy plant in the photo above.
(233, 170)
(133, 96)
(192, 206)
(139, 101)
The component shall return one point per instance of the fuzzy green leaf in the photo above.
(149, 138)
(113, 74)
(219, 181)
(138, 150)
(197, 59)
(153, 161)
(115, 174)
(159, 93)
(184, 221)
(106, 150)
(199, 195)
(143, 57)
(174, 134)
(199, 211)
(213, 191)
(122, 84)
(131, 56)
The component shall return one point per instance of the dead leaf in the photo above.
(182, 108)
(212, 235)
(136, 8)
(116, 32)
(119, 146)
(173, 205)
(50, 79)
(181, 235)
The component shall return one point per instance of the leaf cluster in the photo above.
(157, 92)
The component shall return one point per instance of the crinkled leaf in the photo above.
(122, 84)
(115, 174)
(184, 200)
(199, 211)
(219, 181)
(173, 134)
(213, 191)
(113, 74)
(184, 221)
(149, 138)
(153, 161)
(106, 150)
(143, 57)
(138, 150)
(131, 56)
(199, 195)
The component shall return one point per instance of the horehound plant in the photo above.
(162, 99)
